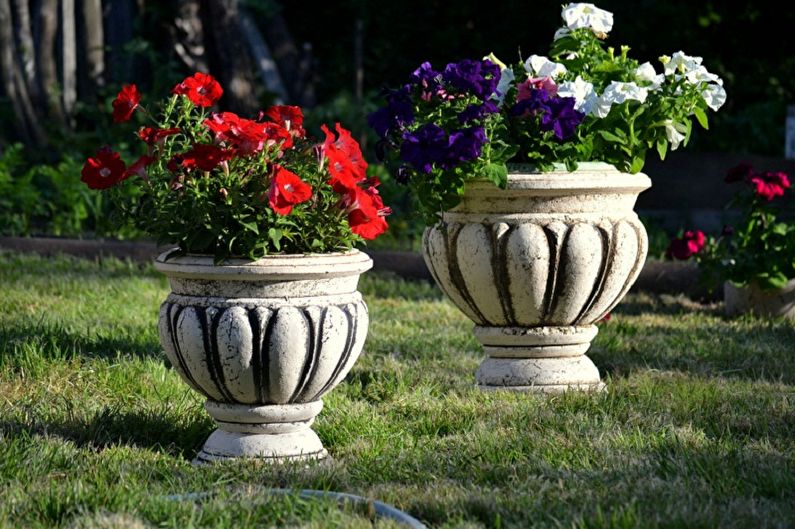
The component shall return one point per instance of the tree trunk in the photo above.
(47, 22)
(229, 55)
(189, 38)
(93, 46)
(27, 51)
(264, 59)
(14, 81)
(69, 57)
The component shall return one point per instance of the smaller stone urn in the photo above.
(263, 341)
(769, 303)
(536, 265)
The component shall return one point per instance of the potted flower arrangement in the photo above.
(264, 317)
(755, 258)
(527, 175)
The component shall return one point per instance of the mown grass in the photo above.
(697, 428)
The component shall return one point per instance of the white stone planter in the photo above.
(536, 265)
(768, 303)
(263, 341)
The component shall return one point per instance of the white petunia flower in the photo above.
(538, 66)
(646, 72)
(579, 16)
(585, 98)
(701, 75)
(682, 63)
(675, 138)
(714, 95)
(618, 92)
(507, 78)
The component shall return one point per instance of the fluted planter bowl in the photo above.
(536, 265)
(263, 341)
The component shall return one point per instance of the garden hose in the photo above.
(381, 509)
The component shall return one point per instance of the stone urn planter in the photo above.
(536, 265)
(263, 341)
(768, 303)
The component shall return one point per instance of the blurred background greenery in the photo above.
(64, 60)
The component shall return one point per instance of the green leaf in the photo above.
(609, 136)
(701, 116)
(250, 226)
(662, 148)
(496, 173)
(637, 164)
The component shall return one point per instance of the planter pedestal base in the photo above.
(272, 434)
(538, 359)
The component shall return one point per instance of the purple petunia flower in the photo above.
(561, 118)
(424, 147)
(399, 112)
(426, 77)
(557, 113)
(537, 100)
(478, 78)
(477, 111)
(464, 145)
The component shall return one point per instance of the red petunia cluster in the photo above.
(686, 246)
(766, 184)
(348, 177)
(274, 132)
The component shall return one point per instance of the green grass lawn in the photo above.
(697, 428)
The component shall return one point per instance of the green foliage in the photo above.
(49, 199)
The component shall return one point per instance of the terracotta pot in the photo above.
(263, 341)
(536, 265)
(768, 303)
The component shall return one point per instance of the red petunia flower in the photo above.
(685, 247)
(205, 157)
(770, 184)
(125, 103)
(104, 170)
(366, 211)
(151, 135)
(289, 117)
(139, 167)
(201, 88)
(286, 190)
(346, 164)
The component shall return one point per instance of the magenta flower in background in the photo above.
(770, 184)
(686, 246)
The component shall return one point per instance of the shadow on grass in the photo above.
(54, 341)
(151, 429)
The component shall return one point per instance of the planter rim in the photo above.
(589, 177)
(268, 268)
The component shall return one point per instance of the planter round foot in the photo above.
(269, 448)
(543, 375)
(538, 359)
(272, 433)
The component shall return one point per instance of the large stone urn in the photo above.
(536, 265)
(263, 341)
